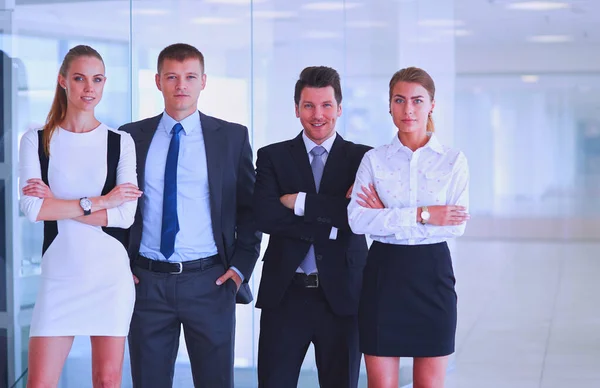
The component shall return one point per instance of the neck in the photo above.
(79, 121)
(179, 115)
(413, 140)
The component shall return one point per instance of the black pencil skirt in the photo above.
(408, 302)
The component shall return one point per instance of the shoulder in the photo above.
(377, 152)
(126, 139)
(355, 149)
(32, 136)
(228, 125)
(454, 155)
(275, 147)
(135, 126)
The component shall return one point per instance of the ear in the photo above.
(157, 80)
(432, 106)
(62, 81)
(339, 112)
(203, 79)
(297, 112)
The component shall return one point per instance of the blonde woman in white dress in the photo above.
(79, 177)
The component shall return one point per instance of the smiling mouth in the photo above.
(88, 98)
(318, 125)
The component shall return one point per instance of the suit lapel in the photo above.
(214, 144)
(298, 151)
(336, 160)
(142, 144)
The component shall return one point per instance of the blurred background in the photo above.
(518, 90)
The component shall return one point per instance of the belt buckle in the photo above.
(310, 285)
(180, 264)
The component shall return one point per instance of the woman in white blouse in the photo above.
(410, 196)
(79, 177)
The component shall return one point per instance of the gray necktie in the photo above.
(309, 265)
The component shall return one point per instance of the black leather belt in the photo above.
(306, 281)
(177, 267)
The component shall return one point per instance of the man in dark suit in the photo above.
(193, 242)
(313, 265)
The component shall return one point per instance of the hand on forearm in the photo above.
(289, 200)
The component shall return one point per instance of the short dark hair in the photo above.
(179, 52)
(318, 77)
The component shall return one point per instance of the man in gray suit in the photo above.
(193, 243)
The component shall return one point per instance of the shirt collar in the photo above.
(327, 144)
(190, 124)
(433, 143)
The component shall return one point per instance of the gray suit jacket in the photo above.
(231, 183)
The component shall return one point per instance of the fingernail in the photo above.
(218, 282)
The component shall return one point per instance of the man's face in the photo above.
(318, 111)
(181, 84)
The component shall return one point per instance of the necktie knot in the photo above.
(177, 128)
(318, 151)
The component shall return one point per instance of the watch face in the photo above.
(425, 215)
(85, 203)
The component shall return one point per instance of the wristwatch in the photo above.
(425, 215)
(86, 205)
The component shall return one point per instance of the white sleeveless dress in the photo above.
(86, 282)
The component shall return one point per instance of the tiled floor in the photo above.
(529, 317)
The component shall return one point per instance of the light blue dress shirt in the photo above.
(195, 239)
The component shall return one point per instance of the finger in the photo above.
(362, 196)
(365, 190)
(372, 187)
(223, 278)
(135, 279)
(34, 180)
(363, 204)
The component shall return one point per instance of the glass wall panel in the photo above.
(254, 52)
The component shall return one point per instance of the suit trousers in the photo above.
(304, 316)
(165, 303)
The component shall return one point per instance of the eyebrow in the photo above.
(412, 98)
(310, 102)
(83, 75)
(173, 73)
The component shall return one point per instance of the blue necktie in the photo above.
(170, 223)
(309, 264)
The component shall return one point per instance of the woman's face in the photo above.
(84, 83)
(410, 107)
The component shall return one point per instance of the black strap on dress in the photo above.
(113, 155)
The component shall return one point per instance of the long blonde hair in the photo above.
(58, 111)
(417, 76)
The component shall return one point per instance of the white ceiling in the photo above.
(486, 21)
(478, 24)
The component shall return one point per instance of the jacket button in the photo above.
(319, 257)
(319, 219)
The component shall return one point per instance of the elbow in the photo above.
(353, 222)
(263, 224)
(459, 230)
(128, 221)
(31, 210)
(355, 226)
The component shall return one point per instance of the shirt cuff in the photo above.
(299, 204)
(333, 233)
(238, 272)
